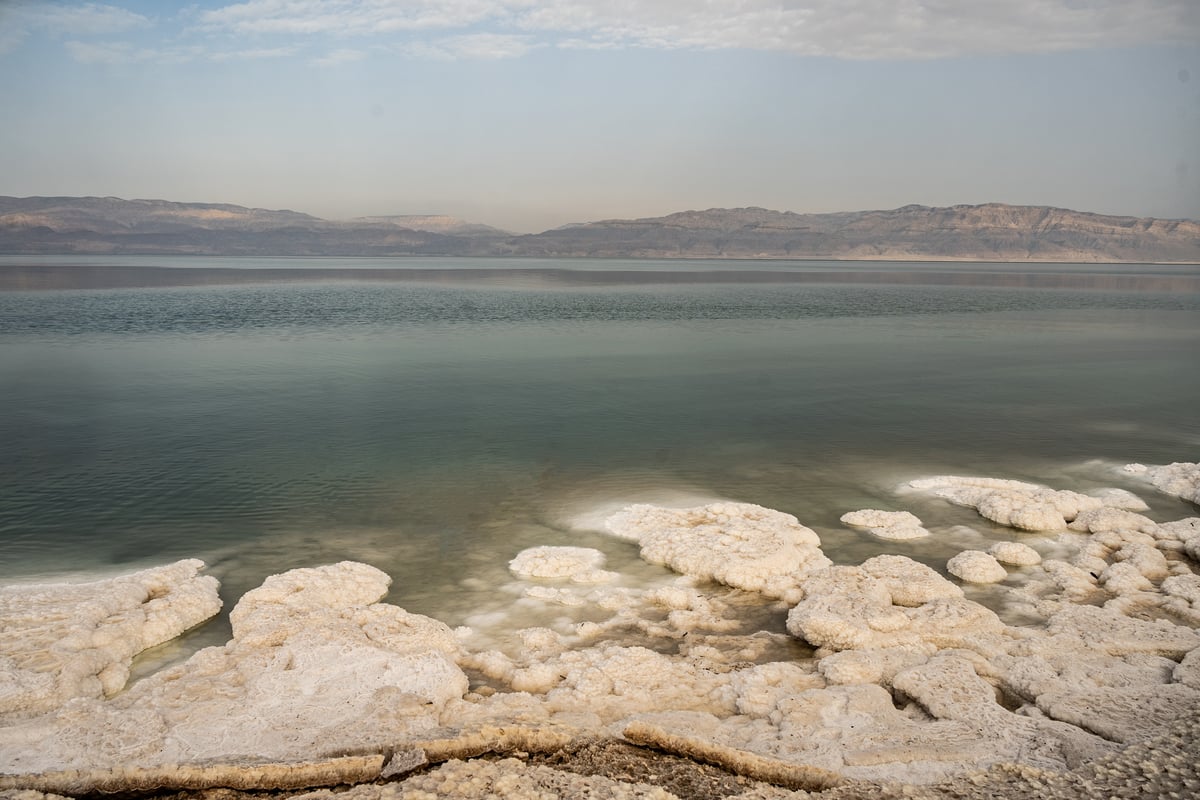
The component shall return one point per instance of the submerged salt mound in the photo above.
(737, 544)
(61, 641)
(1021, 505)
(577, 564)
(316, 668)
(1181, 479)
(896, 525)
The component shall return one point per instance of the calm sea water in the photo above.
(436, 430)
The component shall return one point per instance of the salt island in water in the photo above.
(911, 689)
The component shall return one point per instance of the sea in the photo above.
(434, 417)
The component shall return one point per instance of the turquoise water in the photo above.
(435, 431)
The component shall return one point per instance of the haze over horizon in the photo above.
(530, 115)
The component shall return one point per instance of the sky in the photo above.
(529, 115)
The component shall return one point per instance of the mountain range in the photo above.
(988, 232)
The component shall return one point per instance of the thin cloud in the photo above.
(18, 20)
(341, 56)
(351, 17)
(254, 54)
(487, 45)
(102, 53)
(127, 53)
(855, 29)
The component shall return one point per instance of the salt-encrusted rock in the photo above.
(578, 564)
(1077, 584)
(1179, 536)
(910, 583)
(244, 774)
(1015, 554)
(1182, 597)
(1124, 579)
(776, 771)
(896, 525)
(1126, 715)
(1027, 512)
(316, 668)
(1065, 662)
(1120, 498)
(509, 778)
(1099, 520)
(848, 608)
(760, 688)
(1181, 479)
(613, 681)
(949, 689)
(1026, 506)
(738, 544)
(976, 566)
(61, 641)
(872, 666)
(1119, 635)
(1145, 558)
(1188, 670)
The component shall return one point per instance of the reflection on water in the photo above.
(436, 431)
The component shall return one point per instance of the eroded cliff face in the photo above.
(990, 232)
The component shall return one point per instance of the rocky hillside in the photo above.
(990, 232)
(113, 225)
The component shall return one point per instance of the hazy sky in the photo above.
(529, 115)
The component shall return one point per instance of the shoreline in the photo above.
(69, 277)
(912, 683)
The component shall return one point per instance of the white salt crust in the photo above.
(906, 686)
(737, 544)
(577, 564)
(1021, 505)
(895, 525)
(1015, 554)
(1181, 479)
(61, 641)
(976, 566)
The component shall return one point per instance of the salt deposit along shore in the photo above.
(877, 679)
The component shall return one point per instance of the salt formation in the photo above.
(1026, 506)
(316, 668)
(888, 601)
(578, 564)
(509, 778)
(976, 566)
(895, 525)
(911, 681)
(1015, 554)
(738, 544)
(61, 641)
(1181, 479)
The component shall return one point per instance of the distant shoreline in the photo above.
(42, 277)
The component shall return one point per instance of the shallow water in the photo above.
(436, 430)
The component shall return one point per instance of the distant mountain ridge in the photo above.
(987, 232)
(992, 231)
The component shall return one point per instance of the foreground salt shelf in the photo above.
(910, 681)
(62, 641)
